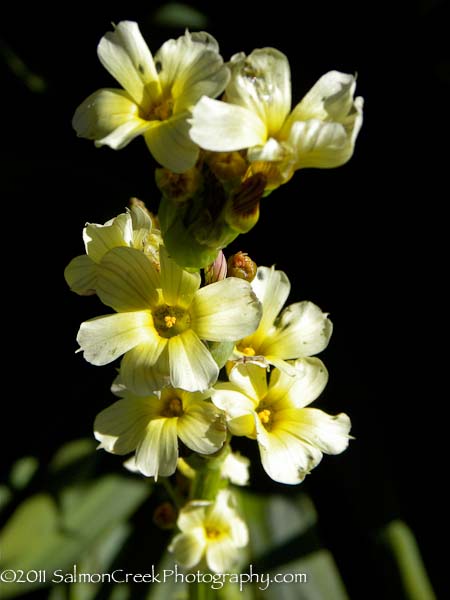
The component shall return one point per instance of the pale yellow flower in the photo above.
(210, 531)
(152, 425)
(157, 96)
(300, 330)
(319, 132)
(133, 229)
(162, 319)
(291, 436)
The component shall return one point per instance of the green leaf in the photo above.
(22, 472)
(177, 14)
(42, 536)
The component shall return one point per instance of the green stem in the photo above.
(171, 492)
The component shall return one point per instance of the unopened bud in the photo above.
(178, 187)
(165, 516)
(242, 212)
(217, 270)
(242, 266)
(227, 165)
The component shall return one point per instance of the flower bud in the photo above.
(227, 165)
(217, 270)
(242, 211)
(242, 266)
(165, 516)
(178, 187)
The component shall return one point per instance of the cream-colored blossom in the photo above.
(162, 319)
(291, 436)
(235, 468)
(210, 531)
(319, 132)
(157, 96)
(300, 330)
(152, 425)
(133, 229)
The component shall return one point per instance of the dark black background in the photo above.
(366, 242)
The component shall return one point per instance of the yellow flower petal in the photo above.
(127, 280)
(303, 329)
(188, 548)
(170, 143)
(272, 289)
(227, 310)
(157, 452)
(139, 369)
(178, 285)
(201, 427)
(81, 275)
(192, 367)
(301, 386)
(120, 427)
(98, 239)
(124, 53)
(222, 127)
(110, 117)
(106, 338)
(191, 67)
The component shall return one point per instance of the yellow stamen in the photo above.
(265, 416)
(170, 321)
(248, 351)
(212, 533)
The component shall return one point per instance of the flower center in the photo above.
(170, 320)
(160, 111)
(173, 408)
(266, 418)
(247, 350)
(212, 533)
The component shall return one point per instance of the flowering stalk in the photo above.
(203, 356)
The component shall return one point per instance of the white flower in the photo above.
(157, 94)
(319, 132)
(300, 330)
(213, 531)
(132, 229)
(152, 425)
(291, 437)
(161, 321)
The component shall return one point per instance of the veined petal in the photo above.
(192, 367)
(120, 427)
(223, 127)
(261, 82)
(320, 144)
(178, 285)
(284, 457)
(238, 407)
(127, 280)
(139, 370)
(192, 516)
(191, 67)
(106, 338)
(330, 98)
(225, 311)
(303, 387)
(124, 53)
(98, 239)
(250, 379)
(303, 330)
(201, 428)
(272, 289)
(170, 144)
(81, 275)
(157, 453)
(330, 434)
(188, 548)
(221, 555)
(110, 117)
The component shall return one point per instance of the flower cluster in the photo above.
(207, 350)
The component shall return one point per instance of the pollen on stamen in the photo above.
(170, 321)
(265, 416)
